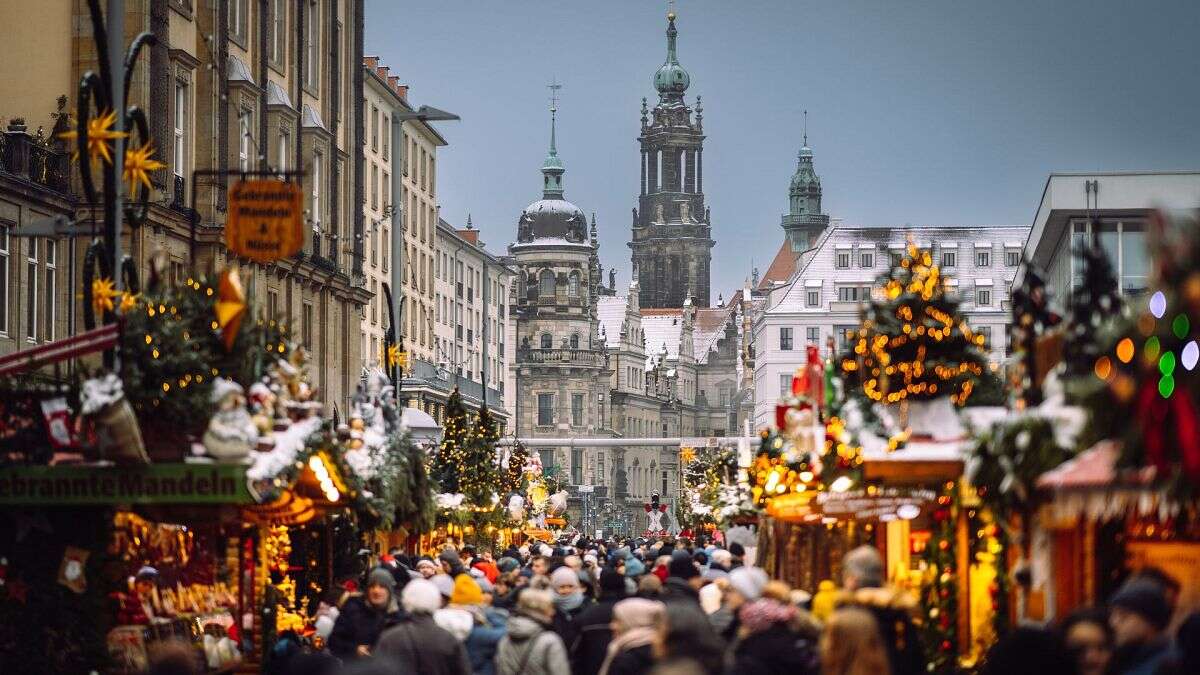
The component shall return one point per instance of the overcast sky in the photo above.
(920, 111)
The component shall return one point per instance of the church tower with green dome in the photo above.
(804, 220)
(672, 236)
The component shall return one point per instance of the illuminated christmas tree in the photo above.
(1095, 301)
(451, 455)
(913, 344)
(479, 477)
(939, 593)
(512, 474)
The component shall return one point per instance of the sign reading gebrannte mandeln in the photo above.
(152, 484)
(266, 220)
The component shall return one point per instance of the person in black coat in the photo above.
(593, 631)
(363, 617)
(862, 578)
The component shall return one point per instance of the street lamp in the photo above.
(424, 114)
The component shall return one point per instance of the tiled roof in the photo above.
(782, 267)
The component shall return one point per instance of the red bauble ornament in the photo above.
(946, 645)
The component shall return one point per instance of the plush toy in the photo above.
(231, 432)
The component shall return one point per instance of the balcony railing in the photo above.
(566, 357)
(27, 156)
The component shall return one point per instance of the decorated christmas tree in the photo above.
(512, 470)
(450, 460)
(1095, 301)
(913, 344)
(479, 476)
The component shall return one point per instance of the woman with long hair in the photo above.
(852, 645)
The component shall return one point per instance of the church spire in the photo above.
(671, 80)
(552, 168)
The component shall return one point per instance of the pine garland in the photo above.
(939, 595)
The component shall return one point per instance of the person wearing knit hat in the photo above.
(451, 563)
(637, 623)
(1139, 614)
(364, 617)
(743, 585)
(466, 592)
(472, 621)
(634, 568)
(593, 625)
(426, 567)
(738, 553)
(683, 580)
(418, 644)
(569, 602)
(507, 564)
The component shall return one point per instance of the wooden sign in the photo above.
(265, 221)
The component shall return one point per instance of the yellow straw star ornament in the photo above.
(103, 292)
(99, 134)
(139, 164)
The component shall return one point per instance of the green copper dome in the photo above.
(671, 78)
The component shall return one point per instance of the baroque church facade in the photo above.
(645, 362)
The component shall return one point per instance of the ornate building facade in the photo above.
(672, 233)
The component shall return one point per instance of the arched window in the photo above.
(547, 341)
(575, 341)
(573, 285)
(546, 284)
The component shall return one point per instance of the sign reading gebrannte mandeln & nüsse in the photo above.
(151, 484)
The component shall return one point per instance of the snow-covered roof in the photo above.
(709, 329)
(662, 328)
(237, 71)
(309, 117)
(611, 310)
(277, 95)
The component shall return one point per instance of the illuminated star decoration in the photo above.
(128, 301)
(99, 134)
(103, 292)
(393, 357)
(138, 165)
(687, 455)
(230, 306)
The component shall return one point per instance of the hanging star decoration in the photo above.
(230, 306)
(393, 357)
(687, 455)
(128, 302)
(139, 162)
(103, 292)
(99, 134)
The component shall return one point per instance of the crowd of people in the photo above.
(682, 607)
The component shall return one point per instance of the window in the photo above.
(178, 154)
(845, 335)
(374, 186)
(306, 325)
(312, 65)
(374, 302)
(546, 283)
(387, 134)
(387, 190)
(577, 409)
(279, 34)
(547, 341)
(374, 128)
(51, 288)
(244, 139)
(986, 332)
(31, 288)
(4, 262)
(285, 144)
(983, 257)
(843, 260)
(949, 258)
(575, 341)
(545, 409)
(813, 335)
(573, 285)
(854, 293)
(316, 195)
(272, 305)
(812, 298)
(785, 384)
(1012, 258)
(866, 259)
(785, 338)
(239, 17)
(577, 466)
(384, 245)
(983, 297)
